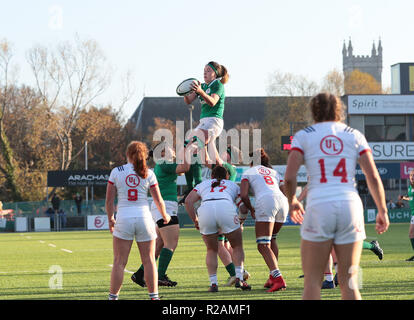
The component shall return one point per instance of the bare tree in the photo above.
(290, 85)
(8, 166)
(286, 110)
(334, 83)
(69, 79)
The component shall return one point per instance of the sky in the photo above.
(162, 42)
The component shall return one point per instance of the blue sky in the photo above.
(163, 42)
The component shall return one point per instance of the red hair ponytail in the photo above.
(137, 153)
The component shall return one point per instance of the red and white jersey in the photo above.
(132, 190)
(263, 180)
(331, 151)
(227, 189)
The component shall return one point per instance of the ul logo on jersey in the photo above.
(132, 180)
(264, 171)
(331, 145)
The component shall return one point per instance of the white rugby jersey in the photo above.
(227, 189)
(331, 150)
(263, 180)
(132, 190)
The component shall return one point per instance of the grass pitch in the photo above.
(77, 266)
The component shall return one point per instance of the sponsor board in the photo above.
(81, 178)
(395, 215)
(42, 224)
(392, 150)
(98, 222)
(381, 104)
(405, 168)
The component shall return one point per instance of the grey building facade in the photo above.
(368, 64)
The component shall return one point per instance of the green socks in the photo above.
(164, 261)
(367, 245)
(231, 269)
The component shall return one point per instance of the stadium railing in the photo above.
(71, 220)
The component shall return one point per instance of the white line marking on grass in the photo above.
(41, 241)
(66, 250)
(127, 271)
(51, 245)
(28, 237)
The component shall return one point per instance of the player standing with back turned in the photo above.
(334, 215)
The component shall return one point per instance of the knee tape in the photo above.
(263, 240)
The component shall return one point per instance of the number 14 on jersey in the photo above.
(339, 171)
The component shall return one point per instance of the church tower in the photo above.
(368, 64)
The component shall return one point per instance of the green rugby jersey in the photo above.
(411, 199)
(230, 169)
(217, 111)
(167, 180)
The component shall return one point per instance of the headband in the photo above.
(214, 69)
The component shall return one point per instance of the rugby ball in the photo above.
(184, 88)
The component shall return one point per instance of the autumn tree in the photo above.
(32, 141)
(8, 164)
(358, 82)
(102, 129)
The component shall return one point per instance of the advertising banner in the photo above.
(395, 215)
(98, 222)
(42, 224)
(21, 224)
(392, 150)
(381, 104)
(80, 178)
(405, 168)
(386, 171)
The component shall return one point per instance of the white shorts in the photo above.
(213, 125)
(342, 221)
(171, 207)
(140, 228)
(271, 208)
(412, 220)
(217, 214)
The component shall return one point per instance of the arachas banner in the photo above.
(82, 178)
